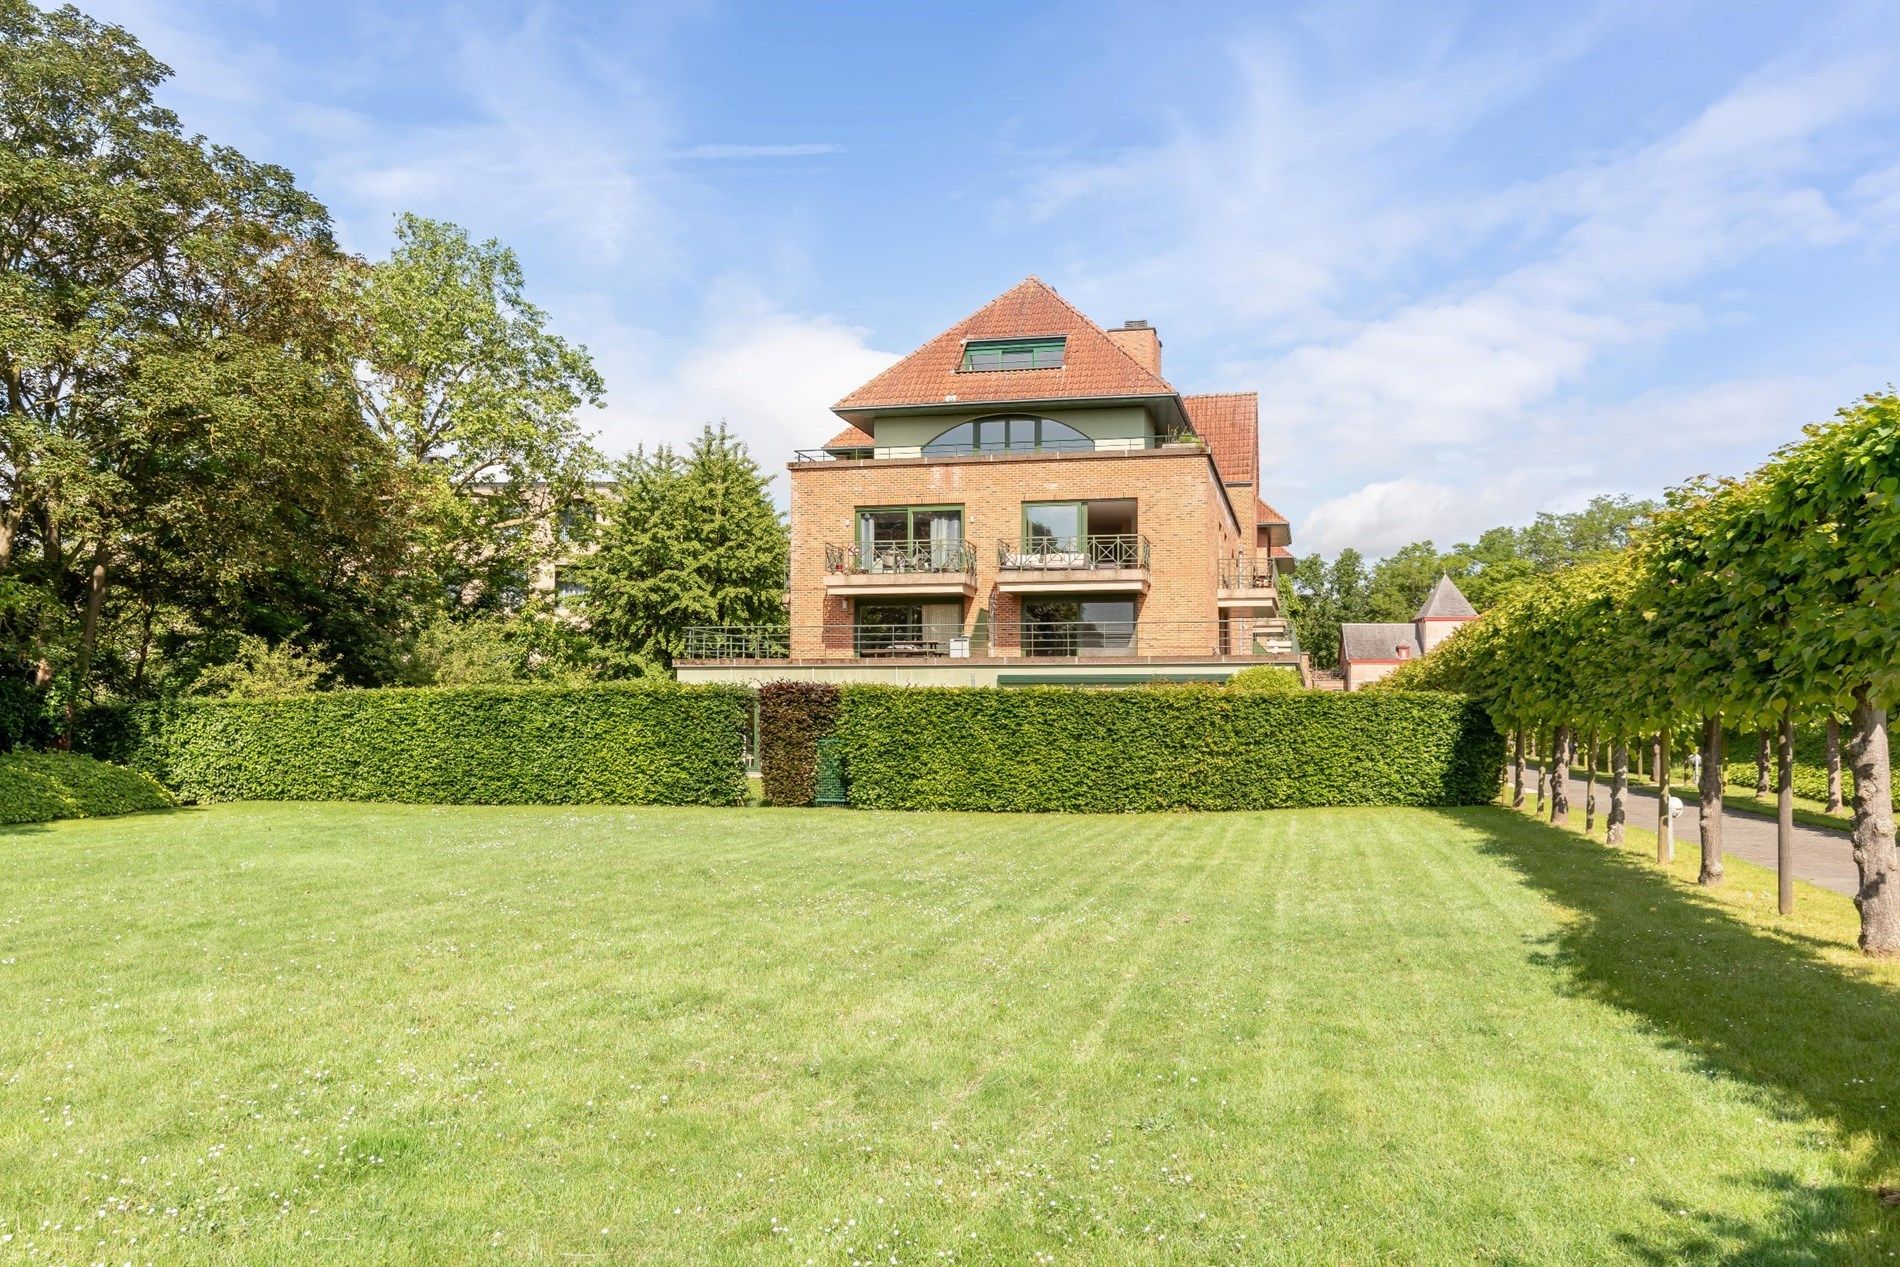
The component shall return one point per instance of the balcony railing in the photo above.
(1074, 553)
(1238, 638)
(901, 557)
(887, 452)
(831, 642)
(1244, 572)
(737, 642)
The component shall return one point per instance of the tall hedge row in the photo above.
(793, 717)
(1062, 749)
(499, 745)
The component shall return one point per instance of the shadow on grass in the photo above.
(1746, 1003)
(41, 827)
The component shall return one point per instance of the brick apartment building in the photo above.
(1025, 498)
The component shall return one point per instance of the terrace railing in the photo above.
(1128, 550)
(1244, 638)
(1236, 638)
(902, 557)
(887, 452)
(1244, 572)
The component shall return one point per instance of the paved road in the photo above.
(1821, 856)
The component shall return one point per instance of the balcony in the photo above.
(1001, 451)
(1073, 565)
(1248, 582)
(906, 569)
(1241, 639)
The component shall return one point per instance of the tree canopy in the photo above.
(1489, 570)
(1752, 601)
(689, 539)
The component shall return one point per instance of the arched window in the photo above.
(1001, 433)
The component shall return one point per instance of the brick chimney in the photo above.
(1139, 340)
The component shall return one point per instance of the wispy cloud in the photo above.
(760, 151)
(1414, 337)
(771, 374)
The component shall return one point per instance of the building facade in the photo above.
(1025, 498)
(1368, 652)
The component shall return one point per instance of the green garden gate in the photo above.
(828, 781)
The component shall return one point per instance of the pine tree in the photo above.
(692, 540)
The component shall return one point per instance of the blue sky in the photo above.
(1479, 260)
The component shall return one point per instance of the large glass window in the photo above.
(1014, 354)
(1009, 433)
(896, 629)
(1054, 526)
(1080, 534)
(1079, 626)
(910, 538)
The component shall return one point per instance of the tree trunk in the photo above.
(1833, 765)
(1543, 774)
(88, 638)
(1665, 826)
(1762, 747)
(1784, 814)
(1590, 786)
(146, 611)
(1560, 776)
(1619, 792)
(1711, 795)
(1517, 770)
(1874, 851)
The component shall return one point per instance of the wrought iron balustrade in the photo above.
(1128, 550)
(898, 557)
(1245, 572)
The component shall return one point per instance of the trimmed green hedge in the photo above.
(622, 744)
(37, 787)
(1062, 749)
(1277, 678)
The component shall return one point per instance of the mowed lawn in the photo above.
(371, 1034)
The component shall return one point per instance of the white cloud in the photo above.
(1639, 229)
(771, 375)
(760, 151)
(1641, 446)
(1380, 517)
(1417, 344)
(511, 128)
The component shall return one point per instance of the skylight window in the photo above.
(1014, 354)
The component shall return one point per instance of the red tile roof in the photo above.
(1281, 552)
(1093, 366)
(1265, 514)
(851, 438)
(1230, 424)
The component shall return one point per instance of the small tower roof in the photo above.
(1446, 601)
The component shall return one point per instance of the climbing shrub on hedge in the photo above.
(37, 787)
(1059, 748)
(793, 717)
(498, 745)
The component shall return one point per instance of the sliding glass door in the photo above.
(911, 539)
(1079, 626)
(906, 629)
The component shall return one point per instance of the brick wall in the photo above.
(1180, 508)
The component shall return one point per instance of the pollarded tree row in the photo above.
(1746, 604)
